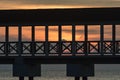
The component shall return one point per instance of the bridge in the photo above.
(27, 55)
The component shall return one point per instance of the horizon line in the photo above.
(62, 8)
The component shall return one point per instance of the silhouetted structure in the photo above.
(26, 56)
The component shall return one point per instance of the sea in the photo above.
(58, 72)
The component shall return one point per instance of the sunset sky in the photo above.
(36, 4)
(94, 30)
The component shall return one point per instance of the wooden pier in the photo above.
(27, 56)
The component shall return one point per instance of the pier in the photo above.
(80, 56)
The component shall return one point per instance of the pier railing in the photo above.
(63, 48)
(61, 18)
(27, 53)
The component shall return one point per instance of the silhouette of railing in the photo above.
(26, 56)
(68, 17)
(64, 48)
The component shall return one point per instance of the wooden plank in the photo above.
(60, 16)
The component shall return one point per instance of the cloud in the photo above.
(34, 4)
(62, 2)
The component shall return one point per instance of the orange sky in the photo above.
(38, 4)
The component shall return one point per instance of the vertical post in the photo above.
(46, 41)
(84, 78)
(21, 78)
(6, 40)
(31, 78)
(77, 78)
(60, 40)
(113, 38)
(102, 39)
(33, 40)
(73, 41)
(86, 40)
(19, 40)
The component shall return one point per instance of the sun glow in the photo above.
(49, 6)
(39, 6)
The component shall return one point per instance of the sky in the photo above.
(38, 4)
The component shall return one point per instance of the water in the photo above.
(58, 72)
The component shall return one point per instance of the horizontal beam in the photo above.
(63, 60)
(60, 16)
(74, 60)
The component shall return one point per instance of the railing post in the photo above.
(101, 39)
(73, 41)
(86, 40)
(60, 39)
(46, 41)
(114, 38)
(33, 41)
(19, 40)
(6, 40)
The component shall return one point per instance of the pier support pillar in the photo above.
(84, 78)
(80, 70)
(27, 70)
(31, 78)
(21, 78)
(77, 78)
